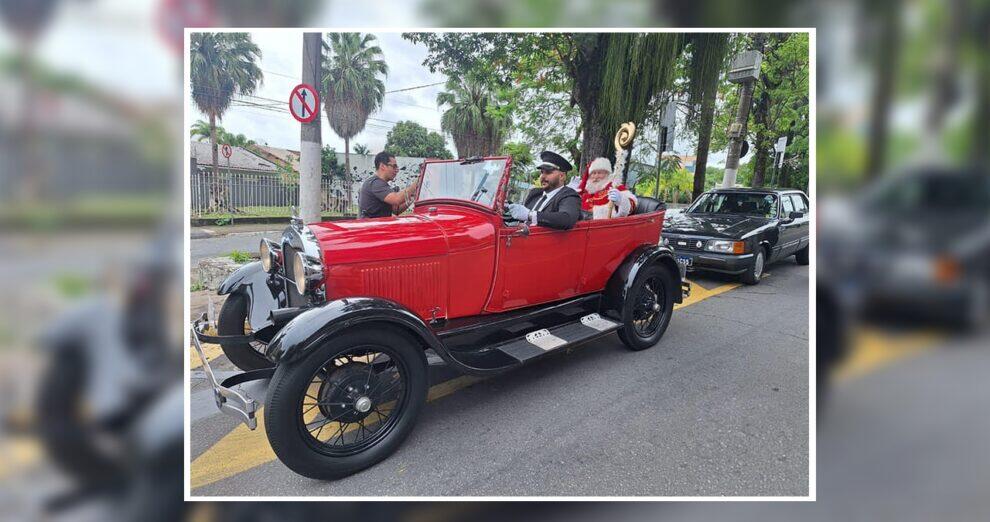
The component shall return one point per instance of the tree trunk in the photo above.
(883, 94)
(348, 178)
(704, 142)
(759, 143)
(979, 145)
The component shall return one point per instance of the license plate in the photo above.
(685, 260)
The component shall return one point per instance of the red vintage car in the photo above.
(340, 315)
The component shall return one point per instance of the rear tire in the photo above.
(233, 315)
(754, 273)
(648, 307)
(335, 372)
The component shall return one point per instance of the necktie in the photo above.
(540, 203)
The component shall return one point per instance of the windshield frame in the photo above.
(497, 203)
(776, 196)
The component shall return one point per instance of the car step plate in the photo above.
(597, 322)
(545, 340)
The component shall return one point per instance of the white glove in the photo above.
(614, 196)
(518, 212)
(575, 182)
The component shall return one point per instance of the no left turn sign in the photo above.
(304, 103)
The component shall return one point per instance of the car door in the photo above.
(788, 228)
(540, 267)
(802, 227)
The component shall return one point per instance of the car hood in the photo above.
(379, 239)
(730, 226)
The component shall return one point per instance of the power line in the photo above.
(415, 87)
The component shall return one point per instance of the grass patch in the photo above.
(196, 287)
(240, 256)
(71, 285)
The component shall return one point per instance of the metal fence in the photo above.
(257, 194)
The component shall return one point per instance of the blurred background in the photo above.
(91, 152)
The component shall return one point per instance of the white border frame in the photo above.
(812, 187)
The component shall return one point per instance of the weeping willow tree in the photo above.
(470, 118)
(709, 52)
(616, 77)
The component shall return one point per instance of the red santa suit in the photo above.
(597, 203)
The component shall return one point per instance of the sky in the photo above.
(281, 63)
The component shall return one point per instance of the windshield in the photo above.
(932, 192)
(751, 204)
(476, 181)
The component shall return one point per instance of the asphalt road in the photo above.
(222, 245)
(718, 407)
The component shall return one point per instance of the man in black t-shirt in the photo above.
(377, 198)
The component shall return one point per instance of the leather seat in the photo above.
(646, 205)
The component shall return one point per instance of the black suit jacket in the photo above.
(561, 212)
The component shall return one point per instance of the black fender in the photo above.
(315, 326)
(619, 284)
(263, 294)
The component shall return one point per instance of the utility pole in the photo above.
(310, 144)
(745, 70)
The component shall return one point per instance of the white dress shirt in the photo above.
(549, 195)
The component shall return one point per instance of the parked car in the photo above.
(741, 231)
(339, 314)
(914, 245)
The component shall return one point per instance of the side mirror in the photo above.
(796, 215)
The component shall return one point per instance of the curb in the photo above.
(212, 222)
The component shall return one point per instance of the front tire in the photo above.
(754, 273)
(233, 321)
(648, 307)
(347, 405)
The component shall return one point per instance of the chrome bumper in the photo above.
(229, 401)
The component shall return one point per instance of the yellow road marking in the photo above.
(243, 449)
(18, 454)
(871, 349)
(211, 351)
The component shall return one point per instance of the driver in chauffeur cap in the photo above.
(554, 205)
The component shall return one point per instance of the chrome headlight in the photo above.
(269, 255)
(305, 273)
(725, 247)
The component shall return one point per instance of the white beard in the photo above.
(593, 188)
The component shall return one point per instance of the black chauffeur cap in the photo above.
(552, 159)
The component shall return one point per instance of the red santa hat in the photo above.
(596, 164)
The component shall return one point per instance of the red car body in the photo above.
(451, 258)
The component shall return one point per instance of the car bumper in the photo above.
(724, 263)
(232, 402)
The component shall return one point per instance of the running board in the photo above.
(540, 342)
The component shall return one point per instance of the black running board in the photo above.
(541, 342)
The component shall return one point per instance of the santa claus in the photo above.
(601, 198)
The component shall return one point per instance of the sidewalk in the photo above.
(205, 232)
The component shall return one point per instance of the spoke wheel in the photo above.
(354, 400)
(337, 408)
(648, 308)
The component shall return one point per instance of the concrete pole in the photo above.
(311, 141)
(735, 145)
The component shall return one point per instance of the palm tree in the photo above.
(469, 120)
(201, 130)
(221, 66)
(361, 149)
(352, 89)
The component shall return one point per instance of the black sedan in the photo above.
(740, 231)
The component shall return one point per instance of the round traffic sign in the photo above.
(304, 103)
(226, 151)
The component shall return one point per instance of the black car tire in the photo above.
(284, 422)
(754, 273)
(233, 314)
(801, 256)
(632, 336)
(64, 433)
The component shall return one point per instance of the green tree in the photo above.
(361, 149)
(408, 138)
(330, 166)
(352, 86)
(471, 118)
(709, 52)
(221, 66)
